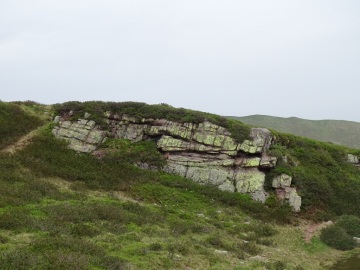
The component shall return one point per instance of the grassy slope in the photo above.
(18, 119)
(335, 131)
(62, 210)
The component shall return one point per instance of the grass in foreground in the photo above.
(62, 210)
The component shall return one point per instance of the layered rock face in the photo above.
(204, 152)
(83, 135)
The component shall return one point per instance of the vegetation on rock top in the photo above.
(97, 109)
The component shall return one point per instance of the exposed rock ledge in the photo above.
(204, 152)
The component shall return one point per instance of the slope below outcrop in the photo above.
(22, 142)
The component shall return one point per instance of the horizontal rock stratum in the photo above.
(203, 152)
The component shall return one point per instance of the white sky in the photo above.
(230, 57)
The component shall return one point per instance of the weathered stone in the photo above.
(259, 195)
(248, 147)
(175, 168)
(212, 176)
(57, 119)
(249, 180)
(267, 161)
(201, 160)
(221, 252)
(90, 124)
(259, 143)
(352, 159)
(248, 162)
(261, 138)
(130, 119)
(133, 132)
(289, 195)
(294, 200)
(281, 181)
(80, 136)
(227, 186)
(171, 128)
(169, 144)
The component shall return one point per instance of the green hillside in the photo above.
(336, 131)
(64, 210)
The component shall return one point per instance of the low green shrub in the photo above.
(15, 219)
(155, 247)
(125, 151)
(336, 237)
(277, 265)
(351, 224)
(84, 230)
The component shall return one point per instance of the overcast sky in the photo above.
(230, 57)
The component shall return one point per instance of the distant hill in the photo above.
(336, 131)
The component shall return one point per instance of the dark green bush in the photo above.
(351, 224)
(14, 219)
(155, 247)
(124, 151)
(84, 230)
(336, 237)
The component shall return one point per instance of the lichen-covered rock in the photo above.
(214, 135)
(161, 127)
(281, 181)
(215, 176)
(261, 137)
(249, 180)
(82, 135)
(248, 161)
(227, 186)
(259, 143)
(171, 144)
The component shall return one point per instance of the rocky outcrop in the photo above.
(284, 192)
(204, 152)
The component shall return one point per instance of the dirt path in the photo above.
(22, 142)
(312, 229)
